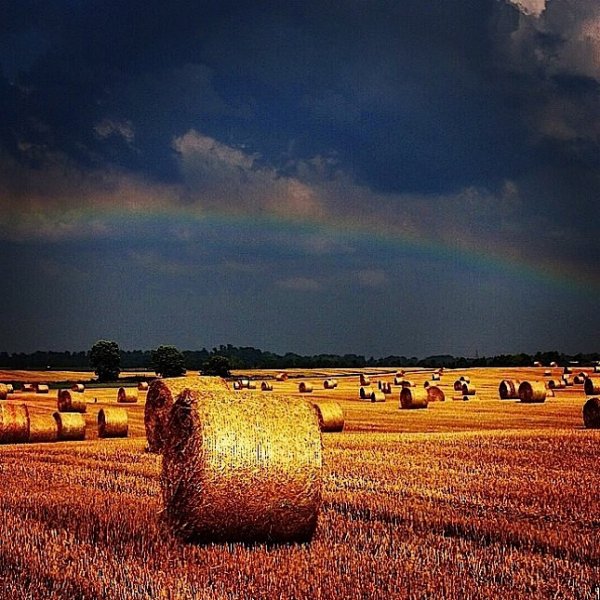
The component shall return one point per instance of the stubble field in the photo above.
(477, 499)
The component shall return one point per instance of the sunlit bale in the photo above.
(458, 385)
(556, 384)
(28, 387)
(78, 387)
(242, 468)
(435, 377)
(69, 401)
(509, 389)
(553, 364)
(596, 368)
(127, 395)
(14, 423)
(411, 397)
(3, 391)
(387, 387)
(42, 388)
(237, 385)
(142, 386)
(160, 398)
(435, 394)
(281, 377)
(71, 426)
(591, 413)
(10, 388)
(400, 374)
(364, 380)
(331, 415)
(547, 373)
(113, 422)
(244, 382)
(566, 381)
(266, 386)
(398, 380)
(464, 379)
(532, 392)
(567, 370)
(467, 389)
(579, 379)
(304, 387)
(42, 428)
(537, 363)
(330, 384)
(591, 386)
(364, 392)
(377, 396)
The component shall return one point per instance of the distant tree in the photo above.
(216, 365)
(168, 361)
(105, 359)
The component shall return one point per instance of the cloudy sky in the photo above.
(413, 177)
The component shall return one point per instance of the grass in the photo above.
(478, 499)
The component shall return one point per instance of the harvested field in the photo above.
(487, 499)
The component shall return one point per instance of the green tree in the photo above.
(216, 365)
(168, 361)
(105, 359)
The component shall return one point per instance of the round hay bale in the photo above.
(242, 468)
(127, 395)
(591, 386)
(566, 381)
(426, 384)
(160, 398)
(435, 394)
(41, 388)
(42, 428)
(69, 401)
(331, 415)
(265, 386)
(71, 426)
(591, 413)
(14, 423)
(387, 388)
(537, 363)
(467, 389)
(407, 383)
(579, 380)
(28, 387)
(237, 385)
(567, 370)
(281, 377)
(78, 387)
(555, 384)
(509, 389)
(464, 379)
(3, 391)
(553, 364)
(143, 386)
(413, 398)
(245, 382)
(330, 384)
(112, 422)
(400, 374)
(10, 388)
(532, 392)
(458, 385)
(364, 392)
(435, 377)
(364, 380)
(304, 387)
(398, 380)
(377, 396)
(596, 369)
(251, 385)
(547, 373)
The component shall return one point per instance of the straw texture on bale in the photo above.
(10, 388)
(3, 391)
(555, 384)
(330, 384)
(265, 386)
(467, 389)
(281, 376)
(579, 379)
(331, 415)
(127, 395)
(591, 386)
(143, 386)
(245, 383)
(69, 401)
(42, 428)
(14, 423)
(237, 385)
(242, 468)
(413, 398)
(42, 388)
(532, 392)
(112, 422)
(364, 392)
(305, 388)
(78, 387)
(71, 425)
(509, 389)
(364, 380)
(160, 398)
(435, 394)
(377, 396)
(591, 413)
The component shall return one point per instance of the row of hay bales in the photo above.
(17, 425)
(236, 467)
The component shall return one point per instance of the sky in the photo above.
(413, 178)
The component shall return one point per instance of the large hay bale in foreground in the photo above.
(42, 428)
(509, 389)
(69, 401)
(331, 415)
(591, 413)
(160, 398)
(591, 386)
(532, 392)
(14, 423)
(3, 391)
(435, 394)
(71, 426)
(127, 395)
(304, 387)
(242, 467)
(112, 422)
(411, 397)
(377, 396)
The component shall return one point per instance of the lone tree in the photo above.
(167, 361)
(216, 365)
(105, 359)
